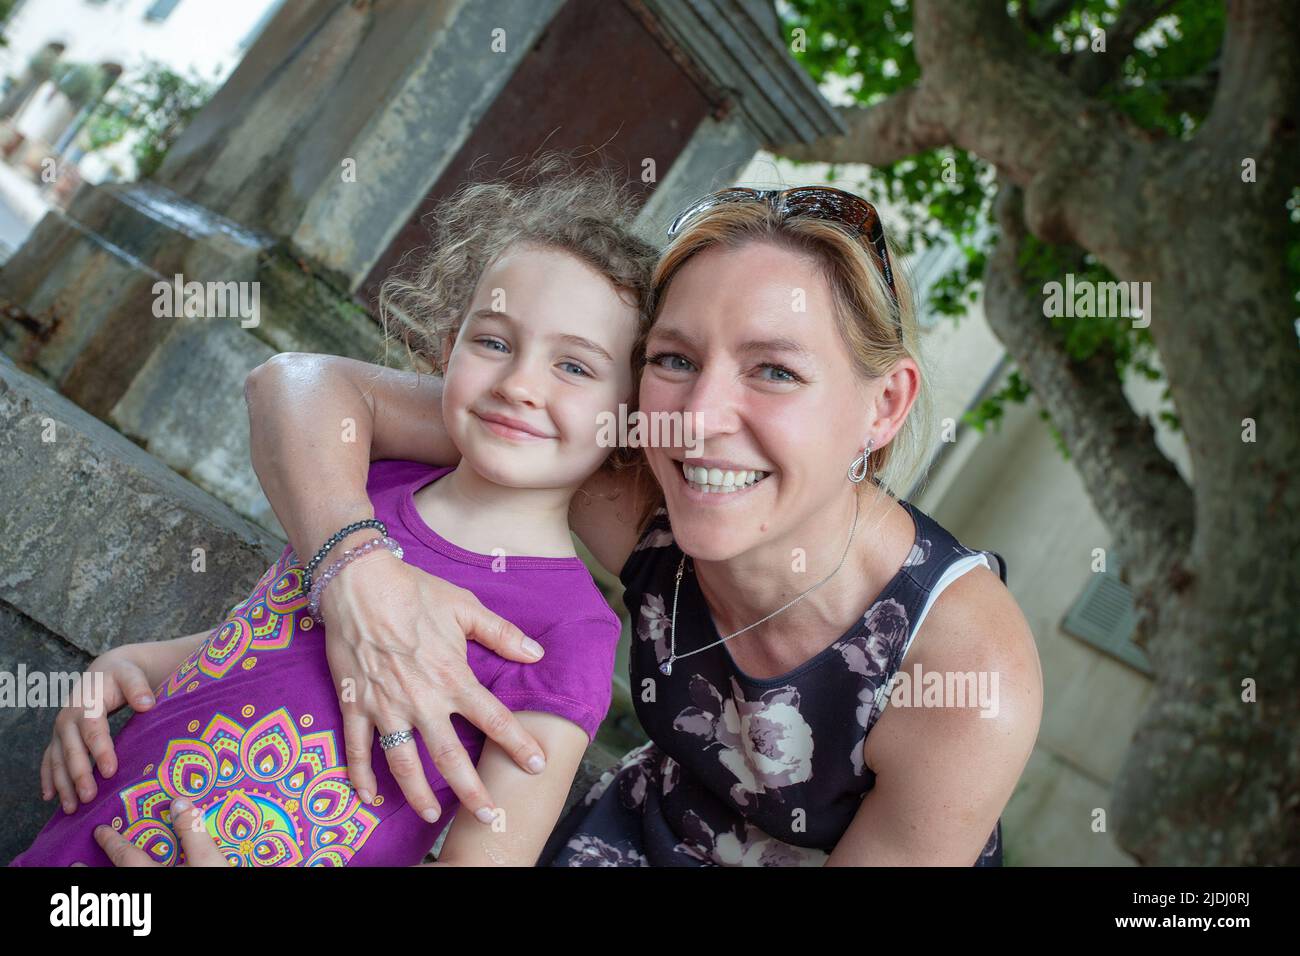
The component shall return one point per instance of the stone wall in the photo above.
(99, 550)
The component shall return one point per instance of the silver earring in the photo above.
(864, 460)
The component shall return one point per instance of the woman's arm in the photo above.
(396, 643)
(312, 429)
(944, 774)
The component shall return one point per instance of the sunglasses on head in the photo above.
(816, 202)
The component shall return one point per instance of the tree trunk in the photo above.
(1213, 772)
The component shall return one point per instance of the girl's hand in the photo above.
(66, 765)
(200, 849)
(396, 644)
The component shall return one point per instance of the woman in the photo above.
(780, 602)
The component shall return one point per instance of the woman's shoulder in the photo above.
(607, 515)
(975, 634)
(653, 552)
(974, 625)
(935, 549)
(967, 586)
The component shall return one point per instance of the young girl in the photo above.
(530, 308)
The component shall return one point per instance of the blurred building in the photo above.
(43, 108)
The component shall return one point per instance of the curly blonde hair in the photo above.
(546, 201)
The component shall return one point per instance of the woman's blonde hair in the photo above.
(546, 201)
(877, 331)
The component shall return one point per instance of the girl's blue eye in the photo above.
(489, 342)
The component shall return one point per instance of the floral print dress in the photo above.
(742, 771)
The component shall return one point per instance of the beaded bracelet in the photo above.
(336, 538)
(350, 555)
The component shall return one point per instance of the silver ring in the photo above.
(389, 741)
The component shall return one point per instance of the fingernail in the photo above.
(431, 815)
(180, 805)
(365, 796)
(146, 700)
(485, 815)
(532, 647)
(536, 764)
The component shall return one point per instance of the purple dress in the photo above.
(249, 728)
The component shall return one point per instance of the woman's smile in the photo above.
(717, 485)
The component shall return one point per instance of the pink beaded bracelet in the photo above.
(350, 555)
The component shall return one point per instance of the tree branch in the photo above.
(1075, 157)
(878, 135)
(1256, 109)
(1091, 72)
(982, 90)
(1137, 491)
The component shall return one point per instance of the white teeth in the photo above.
(717, 481)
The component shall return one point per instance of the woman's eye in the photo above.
(574, 365)
(490, 341)
(655, 360)
(790, 376)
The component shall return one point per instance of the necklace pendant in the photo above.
(666, 668)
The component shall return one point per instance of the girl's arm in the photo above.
(530, 804)
(396, 643)
(129, 673)
(159, 659)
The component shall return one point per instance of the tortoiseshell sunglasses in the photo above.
(819, 202)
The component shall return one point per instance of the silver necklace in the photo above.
(666, 668)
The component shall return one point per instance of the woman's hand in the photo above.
(396, 644)
(65, 768)
(200, 849)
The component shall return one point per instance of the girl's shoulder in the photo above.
(388, 473)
